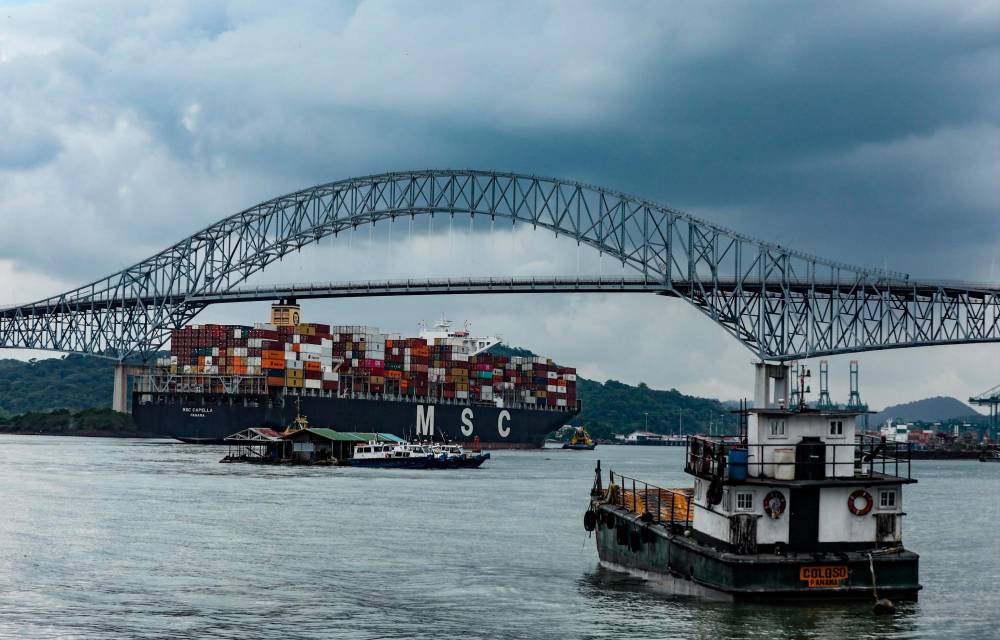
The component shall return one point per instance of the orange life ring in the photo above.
(774, 504)
(852, 502)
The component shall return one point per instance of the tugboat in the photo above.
(797, 506)
(580, 440)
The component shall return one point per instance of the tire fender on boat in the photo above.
(634, 541)
(621, 534)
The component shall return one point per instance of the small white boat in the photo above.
(453, 455)
(403, 455)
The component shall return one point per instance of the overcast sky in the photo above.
(865, 132)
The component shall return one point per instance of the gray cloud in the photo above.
(864, 132)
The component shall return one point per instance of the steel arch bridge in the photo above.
(781, 303)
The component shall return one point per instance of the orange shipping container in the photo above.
(272, 354)
(393, 374)
(312, 365)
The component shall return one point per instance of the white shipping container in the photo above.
(313, 384)
(553, 375)
(331, 376)
(569, 377)
(293, 364)
(464, 395)
(561, 402)
(215, 351)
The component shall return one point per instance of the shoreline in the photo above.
(82, 433)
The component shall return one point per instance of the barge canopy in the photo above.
(256, 444)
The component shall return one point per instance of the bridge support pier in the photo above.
(119, 398)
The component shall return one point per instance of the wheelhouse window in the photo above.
(744, 501)
(887, 499)
(837, 428)
(777, 429)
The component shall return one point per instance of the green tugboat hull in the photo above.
(680, 564)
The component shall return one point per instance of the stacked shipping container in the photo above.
(361, 360)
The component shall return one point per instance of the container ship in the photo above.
(444, 384)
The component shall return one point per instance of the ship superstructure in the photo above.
(442, 333)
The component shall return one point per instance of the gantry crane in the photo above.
(989, 398)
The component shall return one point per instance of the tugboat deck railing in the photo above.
(871, 458)
(668, 507)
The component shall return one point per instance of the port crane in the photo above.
(989, 398)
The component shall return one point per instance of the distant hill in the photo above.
(510, 352)
(937, 409)
(73, 382)
(614, 407)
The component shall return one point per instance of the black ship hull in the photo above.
(209, 419)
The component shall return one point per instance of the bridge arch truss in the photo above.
(781, 303)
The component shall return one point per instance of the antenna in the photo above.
(793, 401)
(824, 386)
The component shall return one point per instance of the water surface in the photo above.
(129, 538)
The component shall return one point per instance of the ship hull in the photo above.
(680, 564)
(209, 419)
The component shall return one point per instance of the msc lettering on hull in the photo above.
(425, 422)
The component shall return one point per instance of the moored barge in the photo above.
(798, 506)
